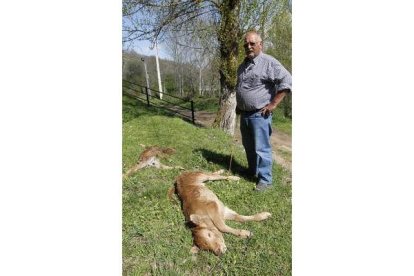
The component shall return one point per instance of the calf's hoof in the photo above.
(245, 234)
(264, 215)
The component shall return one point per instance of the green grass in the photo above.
(155, 240)
(280, 122)
(207, 104)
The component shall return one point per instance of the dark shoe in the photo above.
(260, 187)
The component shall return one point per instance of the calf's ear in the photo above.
(194, 249)
(198, 220)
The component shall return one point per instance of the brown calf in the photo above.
(150, 158)
(206, 214)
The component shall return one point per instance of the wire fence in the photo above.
(178, 106)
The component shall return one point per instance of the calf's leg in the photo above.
(218, 220)
(232, 215)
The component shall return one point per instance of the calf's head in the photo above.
(206, 236)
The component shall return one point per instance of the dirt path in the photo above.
(281, 142)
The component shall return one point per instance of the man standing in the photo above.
(262, 82)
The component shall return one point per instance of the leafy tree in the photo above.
(132, 68)
(224, 21)
(280, 38)
(154, 19)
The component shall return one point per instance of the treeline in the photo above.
(181, 79)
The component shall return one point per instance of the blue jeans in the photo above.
(255, 132)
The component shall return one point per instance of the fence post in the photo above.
(192, 111)
(146, 92)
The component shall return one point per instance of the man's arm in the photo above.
(281, 77)
(275, 102)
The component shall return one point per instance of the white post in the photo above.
(158, 69)
(146, 76)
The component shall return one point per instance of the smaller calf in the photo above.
(206, 214)
(150, 158)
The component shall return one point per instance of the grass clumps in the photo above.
(155, 240)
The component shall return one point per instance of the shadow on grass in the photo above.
(224, 161)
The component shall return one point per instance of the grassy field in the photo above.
(155, 239)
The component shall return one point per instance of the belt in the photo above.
(250, 112)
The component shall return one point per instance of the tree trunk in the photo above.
(229, 36)
(226, 116)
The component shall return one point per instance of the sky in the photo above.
(143, 47)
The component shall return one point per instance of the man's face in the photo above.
(252, 46)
